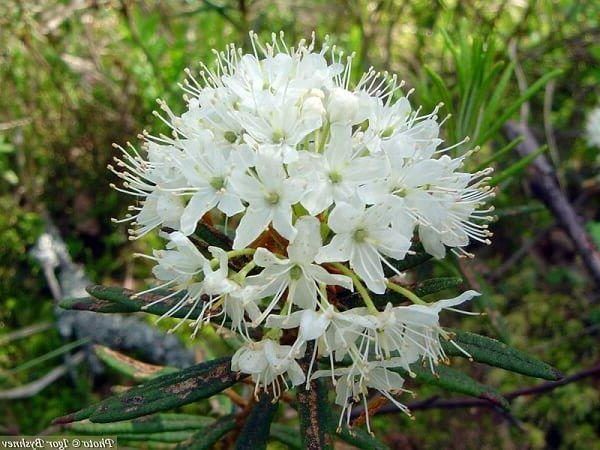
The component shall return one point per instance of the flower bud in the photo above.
(342, 106)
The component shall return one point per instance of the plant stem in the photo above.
(233, 254)
(405, 292)
(359, 287)
(245, 270)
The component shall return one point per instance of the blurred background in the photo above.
(78, 75)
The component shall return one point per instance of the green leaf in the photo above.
(315, 414)
(530, 92)
(517, 167)
(138, 370)
(286, 435)
(50, 355)
(443, 91)
(95, 305)
(162, 393)
(499, 93)
(455, 381)
(594, 229)
(212, 236)
(498, 154)
(411, 260)
(149, 424)
(126, 300)
(434, 285)
(494, 353)
(255, 433)
(208, 436)
(361, 439)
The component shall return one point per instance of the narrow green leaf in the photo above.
(208, 436)
(48, 356)
(533, 89)
(499, 154)
(441, 87)
(361, 439)
(149, 424)
(499, 89)
(286, 435)
(138, 370)
(95, 305)
(495, 353)
(255, 433)
(517, 167)
(411, 260)
(128, 301)
(212, 236)
(455, 381)
(530, 208)
(433, 285)
(162, 393)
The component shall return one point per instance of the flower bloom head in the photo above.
(316, 187)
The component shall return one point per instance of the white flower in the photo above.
(592, 127)
(335, 174)
(159, 208)
(279, 127)
(319, 183)
(297, 274)
(207, 172)
(352, 385)
(342, 106)
(239, 303)
(334, 332)
(270, 194)
(179, 267)
(219, 288)
(363, 236)
(421, 330)
(269, 363)
(179, 263)
(384, 119)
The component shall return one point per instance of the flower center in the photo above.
(360, 235)
(387, 132)
(278, 136)
(272, 198)
(400, 192)
(295, 273)
(230, 136)
(335, 177)
(217, 183)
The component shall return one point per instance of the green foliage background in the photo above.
(76, 76)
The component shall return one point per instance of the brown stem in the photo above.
(543, 183)
(458, 403)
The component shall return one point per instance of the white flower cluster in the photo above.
(592, 127)
(321, 186)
